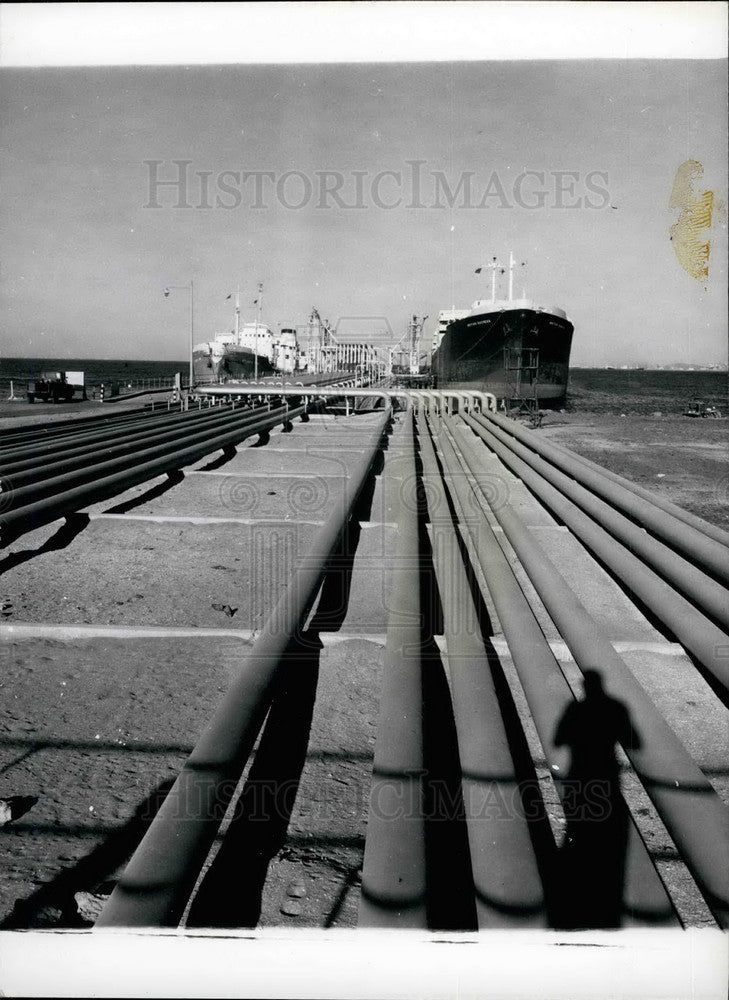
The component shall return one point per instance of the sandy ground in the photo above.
(11, 414)
(681, 459)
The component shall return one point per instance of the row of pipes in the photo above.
(445, 453)
(509, 886)
(46, 476)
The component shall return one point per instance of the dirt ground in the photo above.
(21, 412)
(681, 459)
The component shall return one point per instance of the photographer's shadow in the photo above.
(592, 863)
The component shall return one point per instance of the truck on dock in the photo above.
(57, 387)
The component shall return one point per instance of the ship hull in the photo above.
(473, 354)
(213, 365)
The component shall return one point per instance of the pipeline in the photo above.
(144, 465)
(48, 485)
(698, 634)
(645, 900)
(690, 542)
(67, 460)
(28, 432)
(705, 527)
(702, 590)
(696, 818)
(394, 883)
(140, 392)
(161, 875)
(506, 875)
(50, 446)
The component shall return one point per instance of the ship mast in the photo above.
(237, 314)
(512, 265)
(497, 268)
(493, 266)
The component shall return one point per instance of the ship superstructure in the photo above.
(513, 348)
(249, 350)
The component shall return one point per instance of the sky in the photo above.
(85, 256)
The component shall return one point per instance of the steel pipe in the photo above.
(18, 498)
(394, 878)
(701, 637)
(158, 881)
(60, 427)
(325, 392)
(693, 813)
(141, 392)
(21, 444)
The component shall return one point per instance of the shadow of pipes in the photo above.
(173, 478)
(86, 875)
(331, 608)
(231, 891)
(450, 902)
(228, 453)
(263, 439)
(351, 882)
(532, 801)
(73, 525)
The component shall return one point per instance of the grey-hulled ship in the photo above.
(513, 348)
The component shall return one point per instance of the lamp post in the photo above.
(259, 303)
(189, 288)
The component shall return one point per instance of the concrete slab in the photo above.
(128, 499)
(691, 708)
(340, 429)
(385, 501)
(285, 498)
(325, 839)
(597, 591)
(91, 730)
(140, 572)
(273, 461)
(366, 588)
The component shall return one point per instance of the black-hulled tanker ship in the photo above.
(510, 347)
